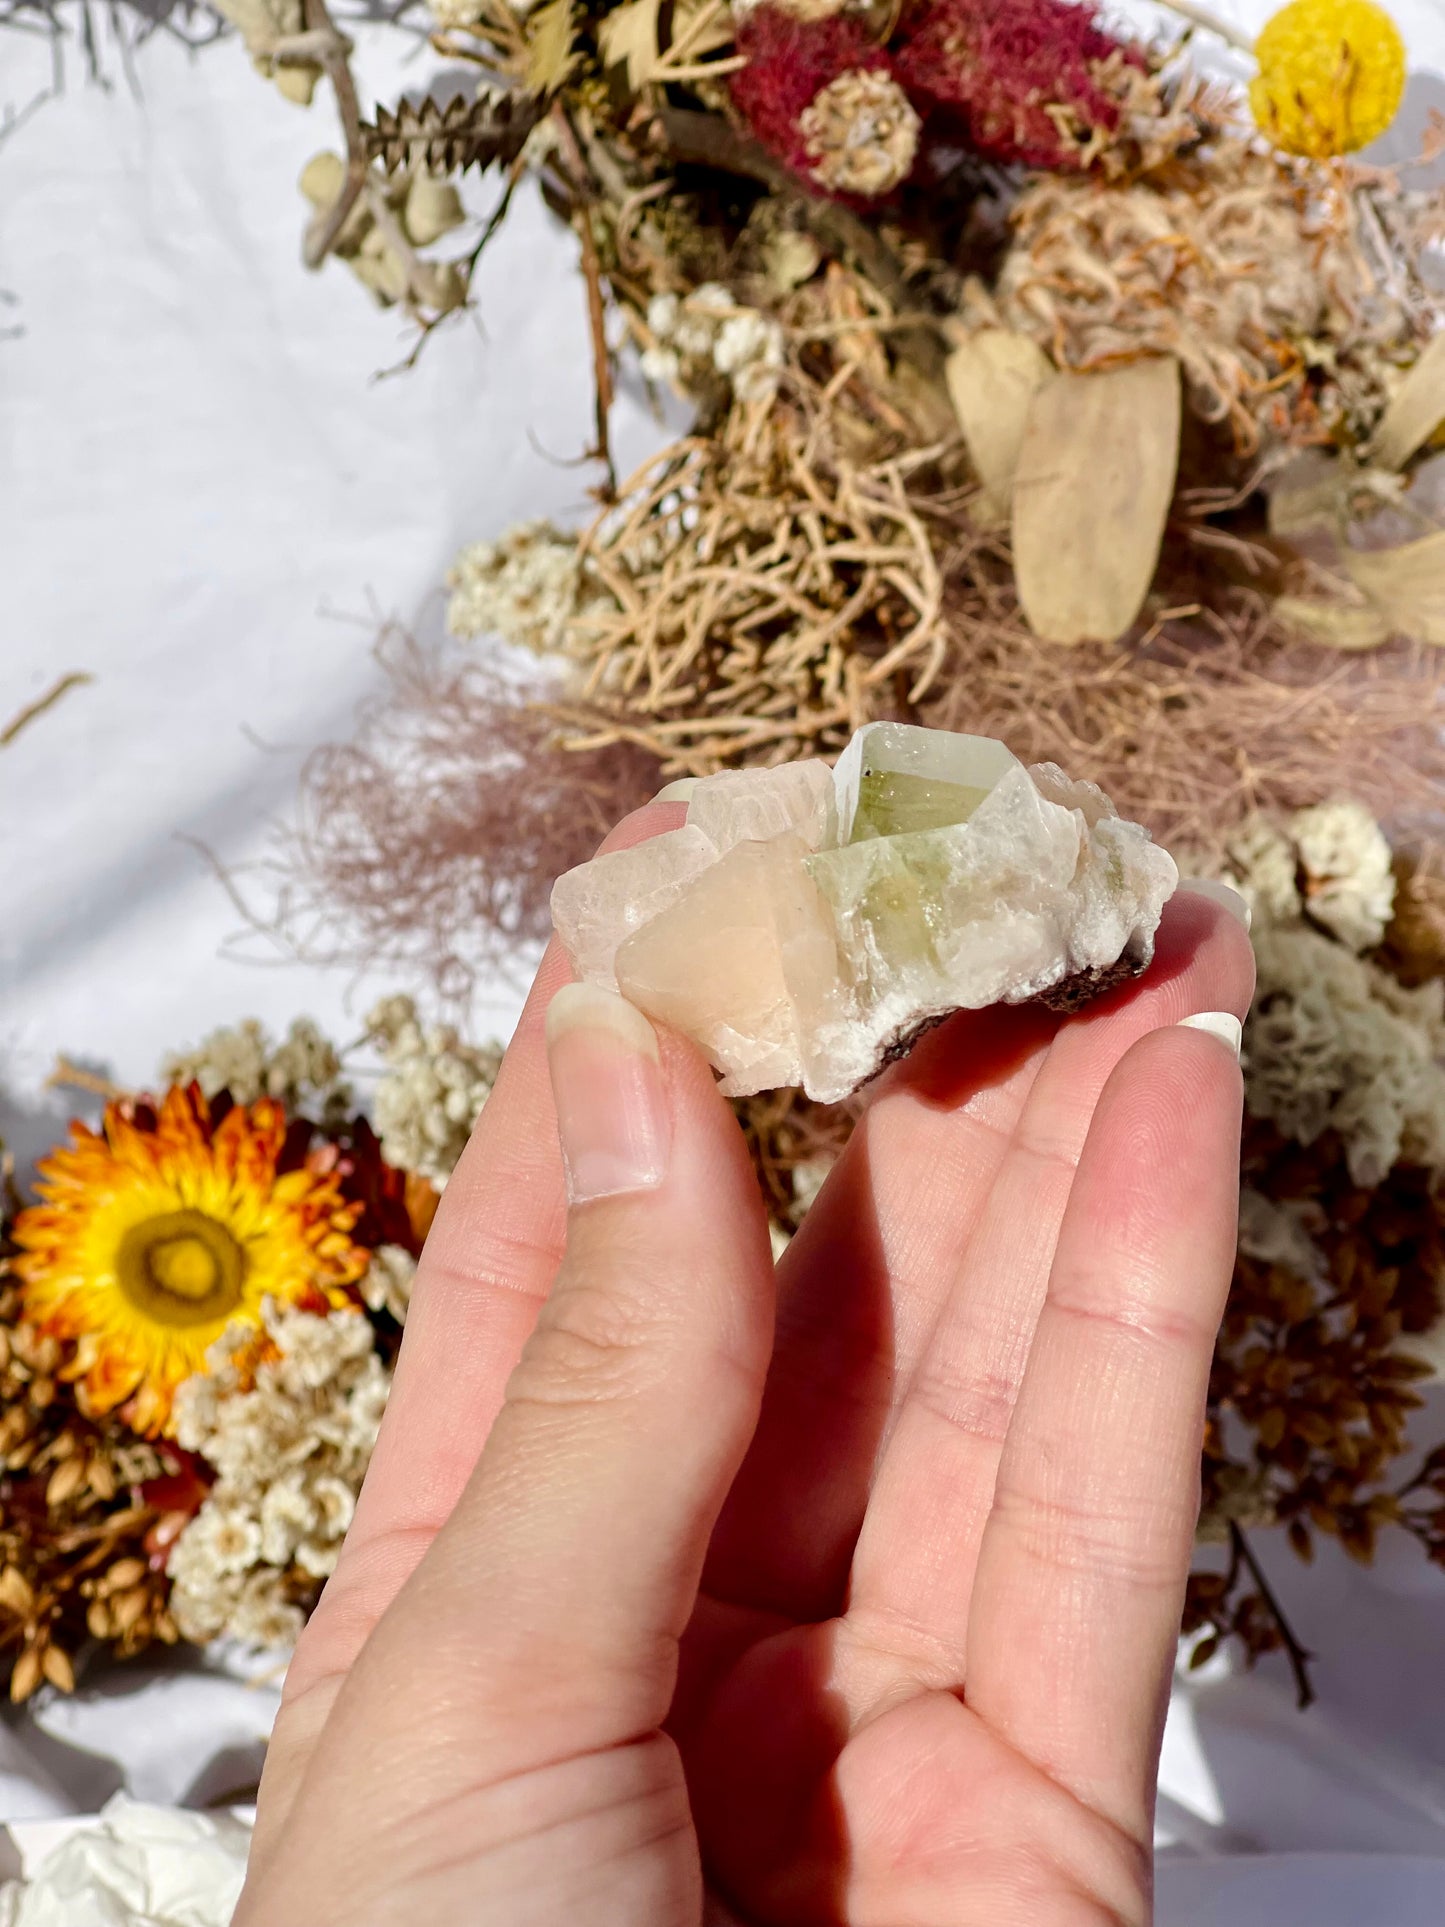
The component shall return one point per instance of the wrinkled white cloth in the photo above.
(133, 1865)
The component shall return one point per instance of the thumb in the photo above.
(543, 1621)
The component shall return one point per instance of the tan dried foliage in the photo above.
(81, 1547)
(1235, 261)
(770, 593)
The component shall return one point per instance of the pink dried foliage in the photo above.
(432, 839)
(982, 74)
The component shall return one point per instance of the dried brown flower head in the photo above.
(85, 1513)
(861, 134)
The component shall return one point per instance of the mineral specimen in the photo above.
(807, 923)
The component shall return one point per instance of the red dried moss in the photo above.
(1033, 82)
(790, 62)
(989, 74)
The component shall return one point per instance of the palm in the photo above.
(922, 1676)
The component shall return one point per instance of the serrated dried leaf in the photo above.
(627, 38)
(1416, 412)
(1092, 489)
(1406, 584)
(992, 380)
(553, 28)
(447, 140)
(1347, 626)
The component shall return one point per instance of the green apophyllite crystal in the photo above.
(892, 803)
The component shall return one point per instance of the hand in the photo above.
(653, 1614)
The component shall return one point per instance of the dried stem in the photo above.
(332, 51)
(1299, 1658)
(1211, 22)
(52, 696)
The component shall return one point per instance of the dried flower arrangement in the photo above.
(199, 1311)
(199, 1315)
(1041, 389)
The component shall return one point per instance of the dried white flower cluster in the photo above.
(1334, 1041)
(525, 587)
(290, 1451)
(432, 1092)
(242, 1059)
(861, 133)
(708, 329)
(1330, 866)
(387, 1283)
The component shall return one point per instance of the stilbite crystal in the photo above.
(806, 923)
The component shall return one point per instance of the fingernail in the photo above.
(608, 1088)
(677, 791)
(1219, 893)
(1222, 1024)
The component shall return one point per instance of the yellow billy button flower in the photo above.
(1331, 74)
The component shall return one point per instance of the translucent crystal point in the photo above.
(807, 923)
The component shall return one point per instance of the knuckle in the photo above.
(593, 1344)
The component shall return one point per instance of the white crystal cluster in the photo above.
(806, 923)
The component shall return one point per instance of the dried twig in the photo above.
(1299, 1657)
(52, 696)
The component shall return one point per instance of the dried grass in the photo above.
(1212, 718)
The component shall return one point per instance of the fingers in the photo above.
(858, 1291)
(913, 1569)
(1081, 1573)
(543, 1622)
(907, 1302)
(489, 1261)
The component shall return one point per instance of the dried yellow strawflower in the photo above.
(1331, 73)
(861, 133)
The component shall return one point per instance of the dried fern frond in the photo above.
(445, 140)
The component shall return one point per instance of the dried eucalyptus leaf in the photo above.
(992, 379)
(1416, 412)
(1092, 489)
(549, 47)
(1347, 626)
(627, 38)
(1406, 584)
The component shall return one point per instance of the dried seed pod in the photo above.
(17, 1595)
(56, 1667)
(26, 1675)
(65, 1481)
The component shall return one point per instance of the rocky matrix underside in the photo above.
(807, 923)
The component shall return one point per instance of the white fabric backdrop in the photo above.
(205, 500)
